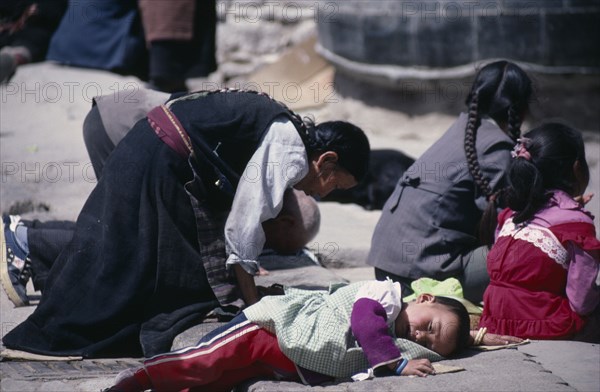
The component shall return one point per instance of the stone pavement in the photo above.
(538, 366)
(501, 370)
(46, 174)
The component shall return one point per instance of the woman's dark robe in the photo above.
(147, 259)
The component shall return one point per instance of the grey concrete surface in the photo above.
(502, 370)
(44, 163)
(576, 363)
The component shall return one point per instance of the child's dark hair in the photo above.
(464, 322)
(346, 139)
(501, 91)
(552, 150)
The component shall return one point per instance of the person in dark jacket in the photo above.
(429, 226)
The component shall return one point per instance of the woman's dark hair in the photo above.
(552, 149)
(501, 91)
(347, 140)
(464, 322)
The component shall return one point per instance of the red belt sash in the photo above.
(168, 128)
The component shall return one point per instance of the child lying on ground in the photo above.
(313, 337)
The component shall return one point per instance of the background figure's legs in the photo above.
(475, 277)
(181, 40)
(167, 72)
(204, 40)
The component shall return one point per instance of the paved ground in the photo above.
(538, 366)
(45, 171)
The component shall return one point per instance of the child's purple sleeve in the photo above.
(368, 322)
(582, 292)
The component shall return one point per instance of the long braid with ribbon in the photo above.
(489, 218)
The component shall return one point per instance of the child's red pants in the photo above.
(227, 356)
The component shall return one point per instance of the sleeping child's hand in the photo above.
(418, 367)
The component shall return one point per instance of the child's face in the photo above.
(429, 324)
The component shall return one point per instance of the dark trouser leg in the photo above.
(167, 71)
(97, 142)
(173, 60)
(46, 240)
(475, 277)
(205, 22)
(404, 282)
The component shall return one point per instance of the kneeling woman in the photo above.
(182, 196)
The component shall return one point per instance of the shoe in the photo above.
(15, 265)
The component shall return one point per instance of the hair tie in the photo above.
(520, 150)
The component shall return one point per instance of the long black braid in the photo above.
(473, 122)
(514, 123)
(501, 91)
